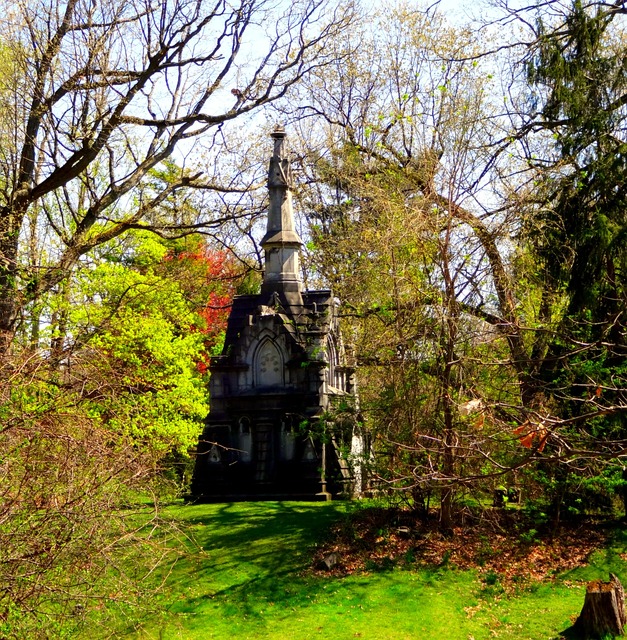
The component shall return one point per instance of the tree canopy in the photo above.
(98, 96)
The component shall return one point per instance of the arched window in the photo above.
(268, 365)
(288, 438)
(244, 425)
(245, 440)
(334, 377)
(309, 453)
(215, 457)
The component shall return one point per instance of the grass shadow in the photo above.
(568, 634)
(243, 558)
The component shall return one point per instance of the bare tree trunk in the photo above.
(603, 611)
(448, 469)
(8, 279)
(449, 339)
(7, 317)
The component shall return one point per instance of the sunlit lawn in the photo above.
(244, 576)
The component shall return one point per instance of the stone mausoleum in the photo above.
(282, 423)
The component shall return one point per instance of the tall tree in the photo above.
(578, 70)
(400, 235)
(574, 143)
(110, 408)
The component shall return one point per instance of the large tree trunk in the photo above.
(603, 610)
(7, 318)
(9, 231)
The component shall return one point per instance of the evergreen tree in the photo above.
(578, 69)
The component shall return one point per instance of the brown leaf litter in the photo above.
(496, 541)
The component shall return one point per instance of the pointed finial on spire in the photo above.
(279, 173)
(281, 243)
(279, 136)
(279, 131)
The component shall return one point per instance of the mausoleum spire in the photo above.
(281, 244)
(282, 365)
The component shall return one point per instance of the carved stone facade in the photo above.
(280, 378)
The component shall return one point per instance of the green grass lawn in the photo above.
(242, 574)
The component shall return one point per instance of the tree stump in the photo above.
(603, 611)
